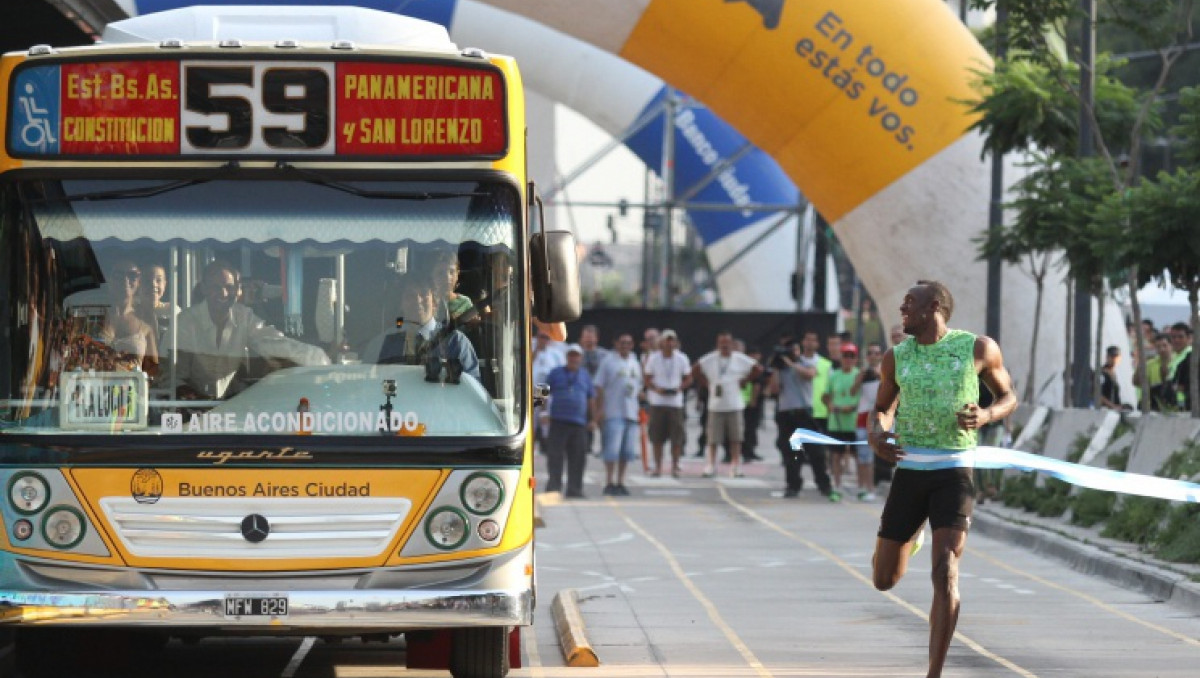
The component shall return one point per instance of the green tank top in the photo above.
(820, 384)
(935, 382)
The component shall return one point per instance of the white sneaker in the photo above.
(866, 496)
(918, 542)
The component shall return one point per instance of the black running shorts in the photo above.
(945, 497)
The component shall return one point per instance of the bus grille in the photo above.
(182, 527)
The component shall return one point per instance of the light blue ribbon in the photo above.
(1076, 474)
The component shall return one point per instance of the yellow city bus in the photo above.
(268, 280)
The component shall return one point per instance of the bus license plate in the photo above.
(256, 606)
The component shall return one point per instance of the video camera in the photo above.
(778, 353)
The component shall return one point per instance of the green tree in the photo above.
(1167, 211)
(1031, 100)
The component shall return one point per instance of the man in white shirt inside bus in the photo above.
(219, 335)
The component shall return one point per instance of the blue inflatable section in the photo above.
(702, 143)
(702, 140)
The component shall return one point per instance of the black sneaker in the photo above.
(620, 491)
(791, 494)
(609, 490)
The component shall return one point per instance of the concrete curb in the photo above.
(1159, 583)
(572, 638)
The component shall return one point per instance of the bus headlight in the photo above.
(482, 493)
(28, 492)
(446, 528)
(22, 530)
(63, 527)
(489, 530)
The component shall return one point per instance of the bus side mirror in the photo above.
(554, 277)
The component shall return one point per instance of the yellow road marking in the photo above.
(1078, 594)
(755, 665)
(1083, 596)
(852, 571)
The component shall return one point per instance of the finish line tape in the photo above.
(1076, 474)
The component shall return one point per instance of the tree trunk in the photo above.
(1194, 358)
(1031, 381)
(1067, 349)
(1143, 379)
(1098, 351)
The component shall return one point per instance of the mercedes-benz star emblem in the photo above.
(255, 528)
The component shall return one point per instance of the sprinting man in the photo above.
(934, 377)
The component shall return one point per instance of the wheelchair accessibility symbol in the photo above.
(37, 132)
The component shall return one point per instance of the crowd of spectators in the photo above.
(638, 399)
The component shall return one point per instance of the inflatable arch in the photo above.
(856, 102)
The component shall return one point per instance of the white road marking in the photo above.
(297, 659)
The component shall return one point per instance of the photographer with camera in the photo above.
(792, 383)
(667, 377)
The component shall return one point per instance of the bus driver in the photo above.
(419, 334)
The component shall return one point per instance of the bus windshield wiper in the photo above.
(316, 178)
(142, 191)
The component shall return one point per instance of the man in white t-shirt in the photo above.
(619, 385)
(725, 371)
(667, 377)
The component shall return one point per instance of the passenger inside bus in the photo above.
(105, 333)
(218, 337)
(153, 308)
(452, 306)
(124, 330)
(419, 336)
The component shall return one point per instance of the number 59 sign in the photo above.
(257, 108)
(267, 108)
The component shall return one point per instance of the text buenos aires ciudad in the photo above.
(419, 129)
(266, 489)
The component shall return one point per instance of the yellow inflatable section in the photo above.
(846, 96)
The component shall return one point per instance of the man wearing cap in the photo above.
(841, 400)
(667, 378)
(572, 415)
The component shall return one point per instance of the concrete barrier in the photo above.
(1066, 426)
(1121, 444)
(1158, 436)
(572, 636)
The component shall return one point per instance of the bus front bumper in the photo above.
(328, 610)
(496, 591)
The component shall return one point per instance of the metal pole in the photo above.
(646, 264)
(802, 245)
(1082, 368)
(668, 177)
(996, 206)
(821, 254)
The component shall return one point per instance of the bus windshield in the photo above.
(308, 306)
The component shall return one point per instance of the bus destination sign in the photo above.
(351, 109)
